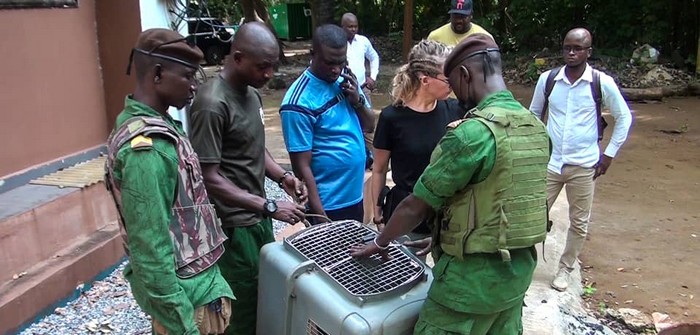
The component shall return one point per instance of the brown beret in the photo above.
(160, 42)
(471, 46)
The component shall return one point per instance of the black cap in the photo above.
(462, 7)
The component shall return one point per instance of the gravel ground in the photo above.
(108, 307)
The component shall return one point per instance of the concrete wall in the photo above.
(51, 93)
(118, 27)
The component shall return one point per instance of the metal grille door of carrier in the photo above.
(328, 246)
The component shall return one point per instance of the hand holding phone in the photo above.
(349, 86)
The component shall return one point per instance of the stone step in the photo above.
(37, 221)
(48, 283)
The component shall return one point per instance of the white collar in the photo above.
(587, 75)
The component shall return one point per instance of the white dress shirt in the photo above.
(572, 119)
(360, 49)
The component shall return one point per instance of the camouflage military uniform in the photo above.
(172, 246)
(479, 294)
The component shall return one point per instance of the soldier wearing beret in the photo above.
(487, 183)
(171, 232)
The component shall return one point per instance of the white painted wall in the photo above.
(154, 14)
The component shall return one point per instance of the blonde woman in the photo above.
(409, 129)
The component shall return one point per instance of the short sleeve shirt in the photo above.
(446, 35)
(411, 136)
(316, 117)
(226, 128)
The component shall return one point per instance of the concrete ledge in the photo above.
(49, 282)
(45, 219)
(57, 238)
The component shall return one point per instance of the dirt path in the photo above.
(644, 241)
(643, 245)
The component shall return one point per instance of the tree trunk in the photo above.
(322, 12)
(697, 60)
(255, 10)
(639, 94)
(657, 93)
(407, 28)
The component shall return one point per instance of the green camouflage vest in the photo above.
(508, 210)
(195, 230)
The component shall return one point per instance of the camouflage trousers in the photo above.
(211, 319)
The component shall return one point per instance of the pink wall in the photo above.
(51, 93)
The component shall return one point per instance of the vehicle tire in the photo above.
(214, 55)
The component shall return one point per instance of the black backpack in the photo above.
(595, 91)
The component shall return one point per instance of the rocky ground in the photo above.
(108, 307)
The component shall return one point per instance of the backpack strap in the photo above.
(597, 94)
(548, 87)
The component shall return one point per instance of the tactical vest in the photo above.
(195, 230)
(508, 210)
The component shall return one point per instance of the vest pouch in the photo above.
(460, 223)
(193, 255)
(440, 267)
(435, 225)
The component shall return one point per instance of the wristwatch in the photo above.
(359, 103)
(284, 175)
(269, 207)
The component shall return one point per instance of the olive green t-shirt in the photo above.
(226, 128)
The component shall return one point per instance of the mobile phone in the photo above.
(345, 71)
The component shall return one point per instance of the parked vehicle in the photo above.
(212, 37)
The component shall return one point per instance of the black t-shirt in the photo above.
(411, 137)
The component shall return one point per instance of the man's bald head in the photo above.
(577, 48)
(255, 39)
(349, 24)
(253, 58)
(348, 17)
(580, 34)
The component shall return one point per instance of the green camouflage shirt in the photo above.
(148, 178)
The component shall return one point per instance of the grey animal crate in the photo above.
(309, 284)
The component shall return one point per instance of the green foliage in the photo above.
(222, 9)
(530, 25)
(589, 290)
(620, 25)
(602, 307)
(533, 72)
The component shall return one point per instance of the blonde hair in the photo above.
(426, 58)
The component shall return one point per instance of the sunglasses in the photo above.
(445, 80)
(190, 40)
